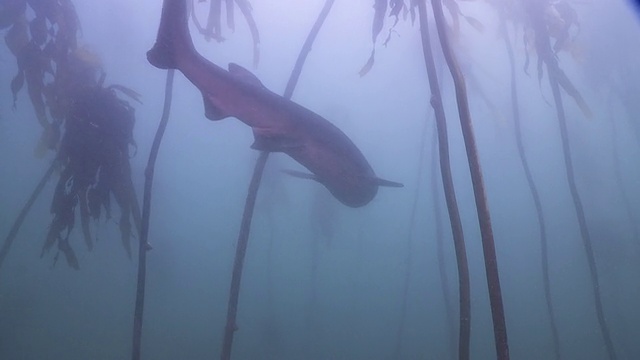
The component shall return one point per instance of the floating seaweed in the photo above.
(213, 28)
(40, 43)
(94, 155)
(65, 84)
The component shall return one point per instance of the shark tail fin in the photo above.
(161, 56)
(382, 182)
(173, 35)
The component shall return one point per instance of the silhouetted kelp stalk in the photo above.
(557, 79)
(322, 221)
(618, 172)
(143, 245)
(544, 250)
(482, 207)
(243, 236)
(397, 353)
(439, 233)
(449, 190)
(444, 279)
(213, 29)
(8, 241)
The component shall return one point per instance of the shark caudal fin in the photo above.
(161, 57)
(173, 35)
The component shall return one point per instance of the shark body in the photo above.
(278, 124)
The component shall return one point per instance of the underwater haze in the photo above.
(321, 280)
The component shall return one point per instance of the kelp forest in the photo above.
(319, 179)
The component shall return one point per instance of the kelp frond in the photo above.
(213, 28)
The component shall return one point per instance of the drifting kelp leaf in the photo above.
(561, 18)
(18, 36)
(49, 48)
(99, 196)
(123, 195)
(527, 61)
(540, 69)
(572, 91)
(69, 254)
(412, 11)
(10, 10)
(94, 203)
(214, 27)
(31, 61)
(63, 207)
(94, 152)
(194, 18)
(367, 67)
(396, 7)
(38, 29)
(231, 24)
(380, 9)
(16, 85)
(52, 237)
(475, 23)
(245, 8)
(386, 41)
(125, 232)
(62, 14)
(84, 219)
(454, 11)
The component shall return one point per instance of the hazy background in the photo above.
(202, 177)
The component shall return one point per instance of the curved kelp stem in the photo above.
(437, 219)
(8, 241)
(482, 207)
(146, 211)
(555, 74)
(397, 354)
(449, 191)
(241, 249)
(625, 195)
(306, 49)
(515, 108)
(243, 236)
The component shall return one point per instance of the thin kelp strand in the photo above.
(146, 214)
(247, 215)
(482, 206)
(544, 250)
(464, 289)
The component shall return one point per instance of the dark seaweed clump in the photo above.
(94, 156)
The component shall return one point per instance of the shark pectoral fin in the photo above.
(300, 174)
(211, 111)
(244, 75)
(382, 182)
(274, 143)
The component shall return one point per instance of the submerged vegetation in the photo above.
(66, 88)
(87, 134)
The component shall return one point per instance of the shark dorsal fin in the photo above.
(244, 75)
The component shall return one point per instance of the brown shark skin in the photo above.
(278, 124)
